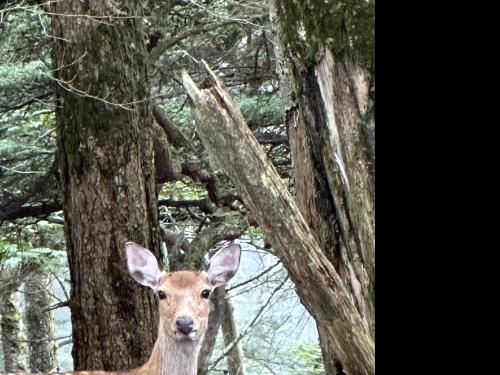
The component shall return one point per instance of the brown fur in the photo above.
(184, 279)
(183, 290)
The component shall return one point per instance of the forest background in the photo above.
(103, 140)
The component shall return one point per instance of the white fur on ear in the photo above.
(224, 264)
(142, 265)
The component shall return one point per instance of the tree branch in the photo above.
(12, 208)
(255, 277)
(27, 102)
(174, 136)
(39, 340)
(180, 203)
(249, 326)
(170, 42)
(41, 210)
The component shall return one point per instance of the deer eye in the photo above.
(206, 293)
(161, 294)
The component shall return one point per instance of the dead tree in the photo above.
(233, 148)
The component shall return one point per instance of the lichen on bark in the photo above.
(39, 325)
(104, 135)
(343, 26)
(10, 327)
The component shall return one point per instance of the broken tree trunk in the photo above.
(233, 148)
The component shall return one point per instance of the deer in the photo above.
(184, 305)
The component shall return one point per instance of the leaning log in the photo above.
(234, 149)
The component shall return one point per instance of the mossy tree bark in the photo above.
(104, 134)
(328, 86)
(10, 317)
(39, 324)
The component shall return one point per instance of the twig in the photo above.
(37, 340)
(61, 284)
(58, 305)
(231, 346)
(255, 277)
(168, 43)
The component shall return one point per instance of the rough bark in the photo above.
(235, 358)
(332, 174)
(9, 324)
(39, 325)
(104, 136)
(233, 148)
(327, 86)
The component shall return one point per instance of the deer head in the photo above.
(184, 296)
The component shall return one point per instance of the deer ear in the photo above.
(224, 264)
(142, 265)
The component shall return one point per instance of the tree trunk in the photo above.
(333, 182)
(9, 324)
(333, 175)
(39, 325)
(104, 134)
(235, 358)
(233, 148)
(327, 88)
(214, 322)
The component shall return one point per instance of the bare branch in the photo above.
(249, 326)
(35, 99)
(168, 43)
(61, 284)
(39, 340)
(58, 305)
(255, 277)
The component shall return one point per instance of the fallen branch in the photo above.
(233, 148)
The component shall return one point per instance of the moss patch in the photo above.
(343, 26)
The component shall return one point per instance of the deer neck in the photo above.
(173, 357)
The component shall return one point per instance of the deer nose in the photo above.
(184, 324)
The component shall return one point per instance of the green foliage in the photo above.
(27, 140)
(43, 256)
(4, 254)
(27, 135)
(260, 109)
(23, 35)
(178, 110)
(255, 233)
(15, 76)
(29, 244)
(180, 190)
(306, 360)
